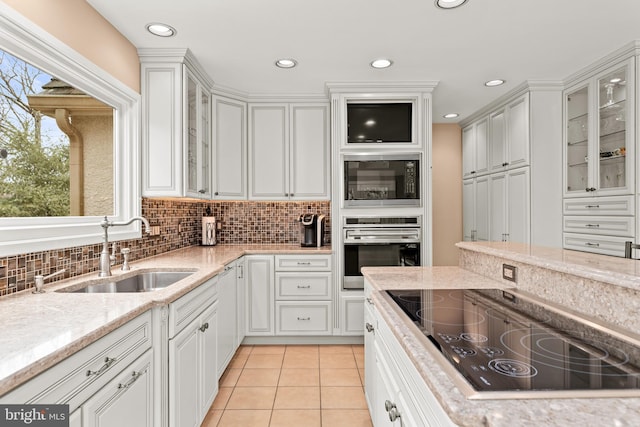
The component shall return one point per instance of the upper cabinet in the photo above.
(230, 152)
(475, 152)
(289, 151)
(176, 136)
(599, 133)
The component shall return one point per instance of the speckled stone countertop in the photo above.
(40, 330)
(494, 413)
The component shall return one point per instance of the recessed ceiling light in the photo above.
(496, 82)
(381, 63)
(451, 115)
(161, 30)
(286, 63)
(449, 4)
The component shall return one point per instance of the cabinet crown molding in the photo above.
(176, 55)
(381, 87)
(627, 51)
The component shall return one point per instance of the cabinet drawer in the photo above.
(620, 205)
(303, 262)
(605, 225)
(81, 375)
(188, 307)
(605, 245)
(303, 318)
(301, 286)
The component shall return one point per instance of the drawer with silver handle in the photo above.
(303, 262)
(623, 226)
(613, 205)
(303, 286)
(303, 318)
(605, 245)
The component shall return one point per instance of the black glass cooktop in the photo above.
(502, 342)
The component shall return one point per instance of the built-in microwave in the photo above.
(381, 180)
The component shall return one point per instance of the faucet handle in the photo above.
(125, 263)
(40, 280)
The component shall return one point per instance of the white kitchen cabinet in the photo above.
(396, 393)
(260, 287)
(289, 151)
(509, 206)
(126, 400)
(192, 370)
(352, 313)
(227, 334)
(241, 301)
(509, 135)
(475, 205)
(599, 133)
(230, 152)
(87, 381)
(475, 152)
(525, 133)
(176, 146)
(304, 289)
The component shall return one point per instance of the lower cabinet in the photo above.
(396, 394)
(126, 400)
(260, 318)
(227, 307)
(352, 313)
(108, 383)
(193, 372)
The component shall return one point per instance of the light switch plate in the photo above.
(509, 272)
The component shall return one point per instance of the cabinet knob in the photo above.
(216, 193)
(202, 191)
(204, 327)
(394, 414)
(505, 164)
(369, 327)
(588, 189)
(389, 405)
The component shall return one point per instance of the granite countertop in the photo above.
(40, 330)
(493, 413)
(603, 268)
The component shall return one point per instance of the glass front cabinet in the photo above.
(599, 134)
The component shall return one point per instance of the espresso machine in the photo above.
(311, 230)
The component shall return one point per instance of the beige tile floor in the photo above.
(292, 386)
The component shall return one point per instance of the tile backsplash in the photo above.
(242, 222)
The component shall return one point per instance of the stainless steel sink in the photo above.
(142, 282)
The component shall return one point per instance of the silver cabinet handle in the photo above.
(108, 361)
(394, 414)
(304, 286)
(369, 327)
(240, 271)
(202, 191)
(304, 318)
(592, 225)
(369, 300)
(304, 263)
(134, 377)
(593, 206)
(204, 327)
(389, 405)
(596, 245)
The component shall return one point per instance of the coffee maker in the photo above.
(311, 230)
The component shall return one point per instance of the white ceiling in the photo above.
(237, 41)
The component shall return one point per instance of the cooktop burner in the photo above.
(502, 342)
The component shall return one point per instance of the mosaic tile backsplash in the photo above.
(242, 222)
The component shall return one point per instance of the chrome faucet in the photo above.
(106, 259)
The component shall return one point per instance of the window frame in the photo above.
(23, 39)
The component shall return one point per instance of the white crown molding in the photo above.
(173, 55)
(625, 52)
(381, 87)
(296, 97)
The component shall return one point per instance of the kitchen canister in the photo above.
(208, 230)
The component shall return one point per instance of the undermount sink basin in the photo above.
(142, 282)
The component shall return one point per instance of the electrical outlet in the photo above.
(509, 272)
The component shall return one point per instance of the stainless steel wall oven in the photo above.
(378, 242)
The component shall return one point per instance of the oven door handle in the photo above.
(390, 235)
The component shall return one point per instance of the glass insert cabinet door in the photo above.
(598, 134)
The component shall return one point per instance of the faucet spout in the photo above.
(105, 257)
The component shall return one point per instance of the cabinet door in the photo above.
(370, 376)
(228, 328)
(481, 146)
(518, 202)
(518, 133)
(497, 203)
(386, 390)
(162, 150)
(576, 136)
(125, 401)
(184, 377)
(268, 152)
(468, 210)
(309, 152)
(207, 351)
(497, 141)
(241, 299)
(260, 295)
(468, 152)
(352, 314)
(197, 139)
(230, 156)
(481, 210)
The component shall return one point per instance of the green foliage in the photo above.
(34, 179)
